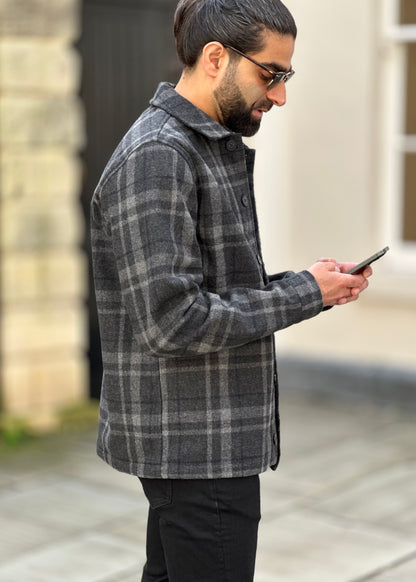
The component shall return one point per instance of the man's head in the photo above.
(237, 23)
(237, 57)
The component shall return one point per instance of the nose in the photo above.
(277, 94)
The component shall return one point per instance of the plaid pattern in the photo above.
(186, 310)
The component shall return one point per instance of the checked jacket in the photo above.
(186, 311)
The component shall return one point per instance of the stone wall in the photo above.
(43, 270)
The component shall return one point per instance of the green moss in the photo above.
(80, 416)
(17, 431)
(13, 431)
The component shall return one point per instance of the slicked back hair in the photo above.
(238, 23)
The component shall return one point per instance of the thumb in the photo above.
(337, 267)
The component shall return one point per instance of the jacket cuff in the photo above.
(309, 293)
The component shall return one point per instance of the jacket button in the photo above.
(245, 201)
(231, 145)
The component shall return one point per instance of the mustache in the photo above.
(265, 106)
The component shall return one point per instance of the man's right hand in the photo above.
(337, 287)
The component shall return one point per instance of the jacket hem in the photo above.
(144, 472)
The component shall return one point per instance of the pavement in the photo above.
(341, 507)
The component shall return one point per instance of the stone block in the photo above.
(17, 389)
(40, 18)
(19, 277)
(46, 66)
(40, 226)
(42, 121)
(36, 390)
(63, 383)
(46, 175)
(43, 275)
(39, 328)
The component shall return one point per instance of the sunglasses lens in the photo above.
(276, 79)
(281, 77)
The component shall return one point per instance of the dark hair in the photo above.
(238, 23)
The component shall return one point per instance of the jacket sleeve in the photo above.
(280, 276)
(149, 205)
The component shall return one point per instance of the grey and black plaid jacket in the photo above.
(186, 310)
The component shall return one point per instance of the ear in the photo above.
(214, 58)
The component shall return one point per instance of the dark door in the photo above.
(127, 48)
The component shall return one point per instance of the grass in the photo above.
(15, 431)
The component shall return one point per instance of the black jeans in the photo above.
(201, 530)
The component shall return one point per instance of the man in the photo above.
(187, 312)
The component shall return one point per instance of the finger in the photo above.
(348, 299)
(345, 267)
(358, 290)
(332, 265)
(353, 281)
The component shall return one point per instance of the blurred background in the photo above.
(335, 176)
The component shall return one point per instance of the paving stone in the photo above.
(86, 559)
(403, 573)
(340, 508)
(96, 472)
(66, 505)
(132, 529)
(307, 547)
(275, 499)
(335, 465)
(45, 456)
(130, 578)
(306, 425)
(326, 448)
(385, 497)
(18, 536)
(128, 575)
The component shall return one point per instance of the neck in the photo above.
(196, 89)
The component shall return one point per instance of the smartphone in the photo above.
(361, 266)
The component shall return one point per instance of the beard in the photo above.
(237, 116)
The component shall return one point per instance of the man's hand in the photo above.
(337, 287)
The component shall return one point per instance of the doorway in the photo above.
(127, 47)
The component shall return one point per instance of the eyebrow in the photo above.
(277, 68)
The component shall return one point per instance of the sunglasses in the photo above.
(277, 77)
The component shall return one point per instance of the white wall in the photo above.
(319, 183)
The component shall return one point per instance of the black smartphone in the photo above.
(361, 266)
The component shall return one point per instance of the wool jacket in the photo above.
(186, 311)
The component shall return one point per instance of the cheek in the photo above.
(253, 96)
(257, 91)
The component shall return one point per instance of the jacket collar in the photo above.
(169, 100)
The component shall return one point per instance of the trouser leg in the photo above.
(207, 529)
(155, 568)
